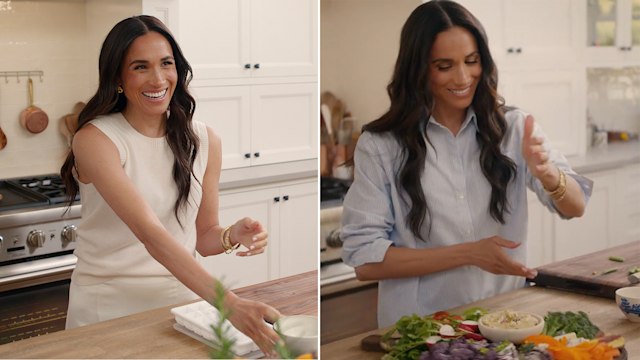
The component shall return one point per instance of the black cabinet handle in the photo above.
(256, 66)
(247, 66)
(510, 50)
(286, 197)
(276, 199)
(256, 154)
(519, 50)
(247, 155)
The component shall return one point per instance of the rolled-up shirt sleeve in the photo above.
(556, 158)
(367, 217)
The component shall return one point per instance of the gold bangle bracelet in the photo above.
(560, 191)
(226, 241)
(223, 239)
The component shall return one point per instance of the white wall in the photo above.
(359, 42)
(62, 38)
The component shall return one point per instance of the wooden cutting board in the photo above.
(577, 274)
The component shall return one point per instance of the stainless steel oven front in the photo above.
(37, 240)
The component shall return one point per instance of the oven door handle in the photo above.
(37, 272)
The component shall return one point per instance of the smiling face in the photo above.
(148, 77)
(454, 72)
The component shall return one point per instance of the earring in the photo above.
(120, 89)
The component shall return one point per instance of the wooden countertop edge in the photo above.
(150, 334)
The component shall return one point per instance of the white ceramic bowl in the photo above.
(628, 300)
(300, 333)
(516, 336)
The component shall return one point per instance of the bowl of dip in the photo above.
(299, 332)
(513, 326)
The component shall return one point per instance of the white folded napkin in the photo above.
(198, 318)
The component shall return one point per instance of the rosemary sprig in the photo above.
(223, 344)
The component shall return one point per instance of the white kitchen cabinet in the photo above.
(538, 48)
(613, 33)
(244, 38)
(539, 34)
(289, 213)
(593, 231)
(539, 232)
(236, 271)
(557, 101)
(627, 205)
(298, 232)
(261, 124)
(612, 218)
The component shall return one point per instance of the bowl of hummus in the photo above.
(510, 325)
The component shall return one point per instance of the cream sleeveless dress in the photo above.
(115, 274)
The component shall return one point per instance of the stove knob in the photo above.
(333, 239)
(35, 238)
(68, 235)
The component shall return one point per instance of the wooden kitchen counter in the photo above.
(603, 312)
(150, 334)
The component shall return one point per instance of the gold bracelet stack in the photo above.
(561, 190)
(225, 240)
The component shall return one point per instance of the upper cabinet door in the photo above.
(214, 36)
(613, 33)
(226, 109)
(284, 123)
(542, 33)
(243, 39)
(284, 37)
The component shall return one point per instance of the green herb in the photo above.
(528, 347)
(413, 331)
(634, 270)
(616, 258)
(474, 313)
(223, 344)
(605, 272)
(503, 345)
(560, 323)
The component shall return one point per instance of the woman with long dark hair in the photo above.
(437, 211)
(148, 177)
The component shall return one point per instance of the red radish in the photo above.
(440, 315)
(469, 325)
(432, 340)
(447, 331)
(474, 336)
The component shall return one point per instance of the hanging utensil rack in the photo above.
(8, 75)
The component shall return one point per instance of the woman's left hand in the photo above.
(250, 234)
(537, 157)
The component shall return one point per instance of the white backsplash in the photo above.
(62, 38)
(613, 98)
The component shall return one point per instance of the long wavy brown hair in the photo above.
(411, 104)
(179, 133)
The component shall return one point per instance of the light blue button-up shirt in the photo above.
(458, 197)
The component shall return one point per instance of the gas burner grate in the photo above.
(50, 186)
(35, 191)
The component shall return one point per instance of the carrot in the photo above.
(588, 350)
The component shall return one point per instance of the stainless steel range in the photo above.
(334, 274)
(37, 239)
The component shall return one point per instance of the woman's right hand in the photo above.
(249, 317)
(488, 254)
